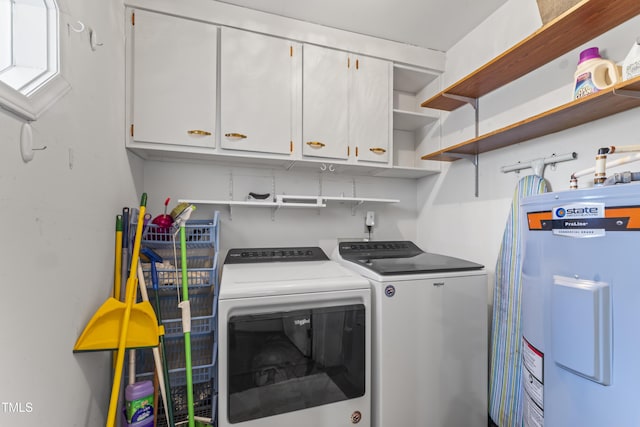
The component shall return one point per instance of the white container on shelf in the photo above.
(631, 64)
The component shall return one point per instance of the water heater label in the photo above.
(580, 220)
(533, 381)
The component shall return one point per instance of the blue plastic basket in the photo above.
(199, 234)
(203, 348)
(199, 324)
(202, 238)
(203, 351)
(202, 269)
(205, 405)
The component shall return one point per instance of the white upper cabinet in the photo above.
(370, 103)
(346, 106)
(173, 80)
(325, 95)
(259, 92)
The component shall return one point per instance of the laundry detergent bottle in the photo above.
(594, 73)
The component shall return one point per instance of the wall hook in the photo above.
(93, 36)
(26, 143)
(74, 29)
(93, 39)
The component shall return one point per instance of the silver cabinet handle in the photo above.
(438, 284)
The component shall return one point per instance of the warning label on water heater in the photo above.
(533, 382)
(580, 220)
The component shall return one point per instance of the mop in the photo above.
(505, 406)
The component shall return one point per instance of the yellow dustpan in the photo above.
(103, 332)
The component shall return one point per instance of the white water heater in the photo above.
(581, 308)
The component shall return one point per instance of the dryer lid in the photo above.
(401, 257)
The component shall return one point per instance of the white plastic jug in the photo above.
(631, 64)
(594, 73)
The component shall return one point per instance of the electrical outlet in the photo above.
(370, 219)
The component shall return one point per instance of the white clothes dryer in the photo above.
(294, 341)
(429, 349)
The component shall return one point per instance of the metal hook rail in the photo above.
(538, 164)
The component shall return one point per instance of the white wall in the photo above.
(451, 220)
(58, 230)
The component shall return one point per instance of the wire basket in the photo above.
(203, 310)
(198, 232)
(202, 269)
(203, 352)
(204, 403)
(202, 244)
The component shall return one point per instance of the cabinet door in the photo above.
(325, 103)
(174, 80)
(258, 76)
(369, 109)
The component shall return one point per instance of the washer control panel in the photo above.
(381, 249)
(287, 254)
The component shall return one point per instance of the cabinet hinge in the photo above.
(290, 50)
(291, 146)
(131, 130)
(133, 18)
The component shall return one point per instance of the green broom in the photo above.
(185, 307)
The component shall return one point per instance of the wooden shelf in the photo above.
(584, 110)
(583, 22)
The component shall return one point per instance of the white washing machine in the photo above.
(294, 341)
(429, 349)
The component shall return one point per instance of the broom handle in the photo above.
(124, 330)
(155, 350)
(186, 328)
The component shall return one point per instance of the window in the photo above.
(30, 78)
